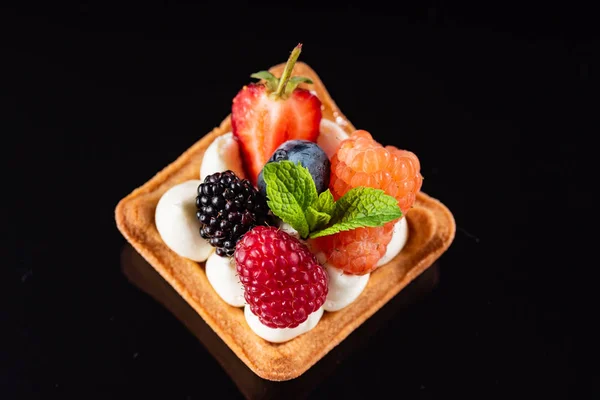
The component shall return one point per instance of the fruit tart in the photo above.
(286, 227)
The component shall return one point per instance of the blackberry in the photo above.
(228, 207)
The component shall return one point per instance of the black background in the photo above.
(498, 103)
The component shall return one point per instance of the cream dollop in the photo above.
(399, 238)
(176, 221)
(330, 136)
(222, 275)
(287, 228)
(343, 288)
(221, 155)
(280, 335)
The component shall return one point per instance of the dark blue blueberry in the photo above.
(306, 153)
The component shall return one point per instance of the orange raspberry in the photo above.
(361, 161)
(356, 251)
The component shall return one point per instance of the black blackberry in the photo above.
(228, 207)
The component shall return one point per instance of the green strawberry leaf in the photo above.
(294, 82)
(270, 79)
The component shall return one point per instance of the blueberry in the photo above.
(306, 153)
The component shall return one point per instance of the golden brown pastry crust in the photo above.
(431, 231)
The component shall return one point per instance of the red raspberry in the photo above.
(283, 282)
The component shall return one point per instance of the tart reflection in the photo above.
(142, 275)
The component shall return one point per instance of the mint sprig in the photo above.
(292, 196)
(316, 219)
(361, 207)
(290, 191)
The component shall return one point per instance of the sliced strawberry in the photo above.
(264, 115)
(304, 110)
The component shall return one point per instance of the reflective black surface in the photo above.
(497, 102)
(142, 275)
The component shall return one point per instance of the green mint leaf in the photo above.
(295, 81)
(361, 207)
(325, 203)
(316, 219)
(269, 78)
(290, 191)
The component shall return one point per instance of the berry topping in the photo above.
(228, 207)
(292, 196)
(357, 251)
(264, 115)
(307, 154)
(283, 282)
(361, 161)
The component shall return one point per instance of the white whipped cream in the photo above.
(399, 238)
(222, 275)
(343, 288)
(287, 228)
(330, 137)
(176, 221)
(280, 335)
(221, 155)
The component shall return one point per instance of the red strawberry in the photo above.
(283, 282)
(264, 115)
